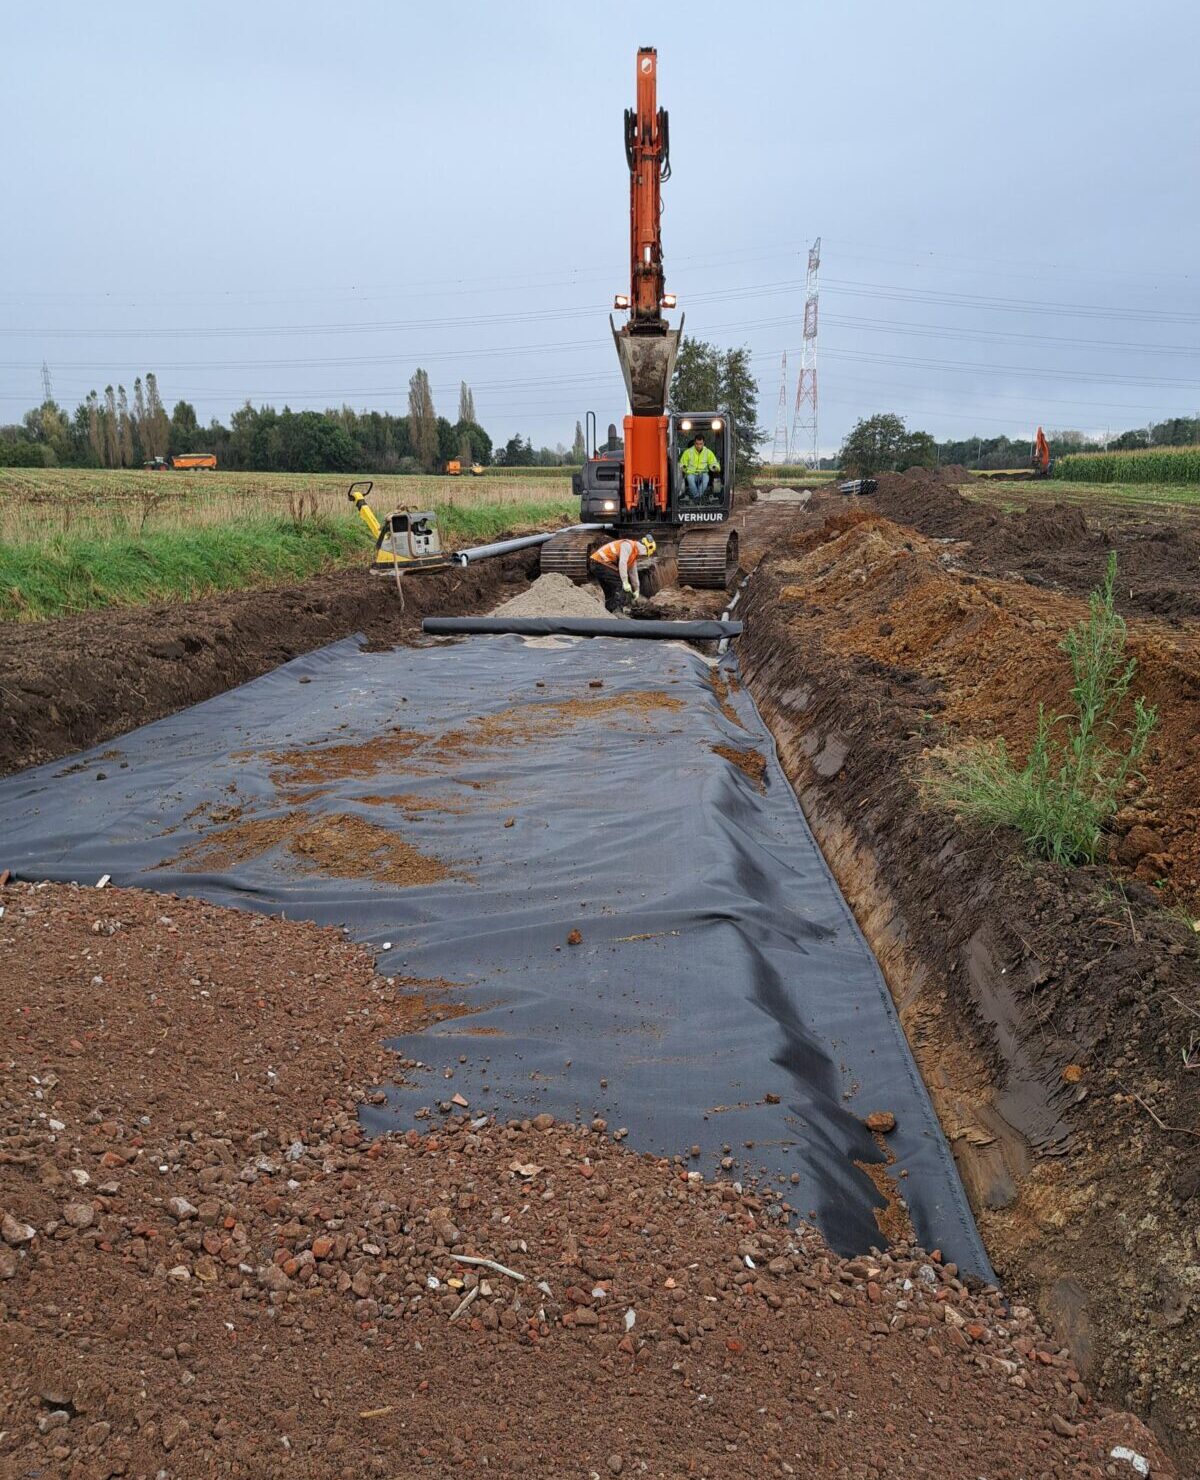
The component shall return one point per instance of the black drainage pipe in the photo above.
(706, 631)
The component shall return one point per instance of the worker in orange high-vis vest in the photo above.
(615, 566)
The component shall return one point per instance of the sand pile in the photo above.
(554, 595)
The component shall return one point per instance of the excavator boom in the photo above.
(648, 155)
(646, 345)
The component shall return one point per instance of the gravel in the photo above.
(554, 595)
(298, 1321)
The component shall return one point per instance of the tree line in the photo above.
(883, 443)
(114, 430)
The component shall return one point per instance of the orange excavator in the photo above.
(1040, 459)
(637, 486)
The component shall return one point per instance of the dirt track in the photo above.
(1048, 1011)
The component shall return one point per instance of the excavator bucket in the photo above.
(647, 363)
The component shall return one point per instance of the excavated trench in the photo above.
(1083, 1206)
(1042, 1007)
(511, 816)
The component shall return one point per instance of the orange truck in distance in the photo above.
(184, 461)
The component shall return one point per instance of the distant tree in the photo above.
(696, 384)
(873, 445)
(124, 429)
(517, 452)
(422, 420)
(466, 403)
(1129, 441)
(917, 450)
(95, 429)
(112, 437)
(140, 426)
(472, 438)
(447, 442)
(183, 431)
(20, 452)
(578, 449)
(48, 427)
(739, 394)
(710, 379)
(1068, 440)
(158, 428)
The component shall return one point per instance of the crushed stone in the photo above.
(554, 595)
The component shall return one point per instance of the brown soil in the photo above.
(993, 650)
(413, 805)
(507, 727)
(345, 847)
(721, 688)
(76, 681)
(1055, 545)
(895, 1225)
(228, 846)
(206, 1269)
(338, 845)
(751, 763)
(306, 764)
(866, 646)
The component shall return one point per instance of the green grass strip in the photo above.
(81, 571)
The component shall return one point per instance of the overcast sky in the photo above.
(299, 203)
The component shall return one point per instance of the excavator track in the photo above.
(567, 554)
(708, 558)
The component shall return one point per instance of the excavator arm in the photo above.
(647, 344)
(1041, 454)
(647, 152)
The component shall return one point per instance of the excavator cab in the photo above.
(714, 503)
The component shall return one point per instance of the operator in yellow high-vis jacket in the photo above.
(698, 465)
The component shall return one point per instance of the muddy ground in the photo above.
(206, 1269)
(1052, 1014)
(1055, 546)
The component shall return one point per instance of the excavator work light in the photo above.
(685, 426)
(621, 300)
(716, 426)
(609, 506)
(668, 300)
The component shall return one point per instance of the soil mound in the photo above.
(1054, 545)
(1053, 527)
(993, 648)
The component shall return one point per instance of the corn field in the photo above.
(1167, 465)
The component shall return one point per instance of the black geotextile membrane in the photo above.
(719, 966)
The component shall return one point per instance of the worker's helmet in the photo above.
(649, 543)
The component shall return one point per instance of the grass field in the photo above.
(72, 539)
(1156, 501)
(130, 499)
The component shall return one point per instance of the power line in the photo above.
(992, 303)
